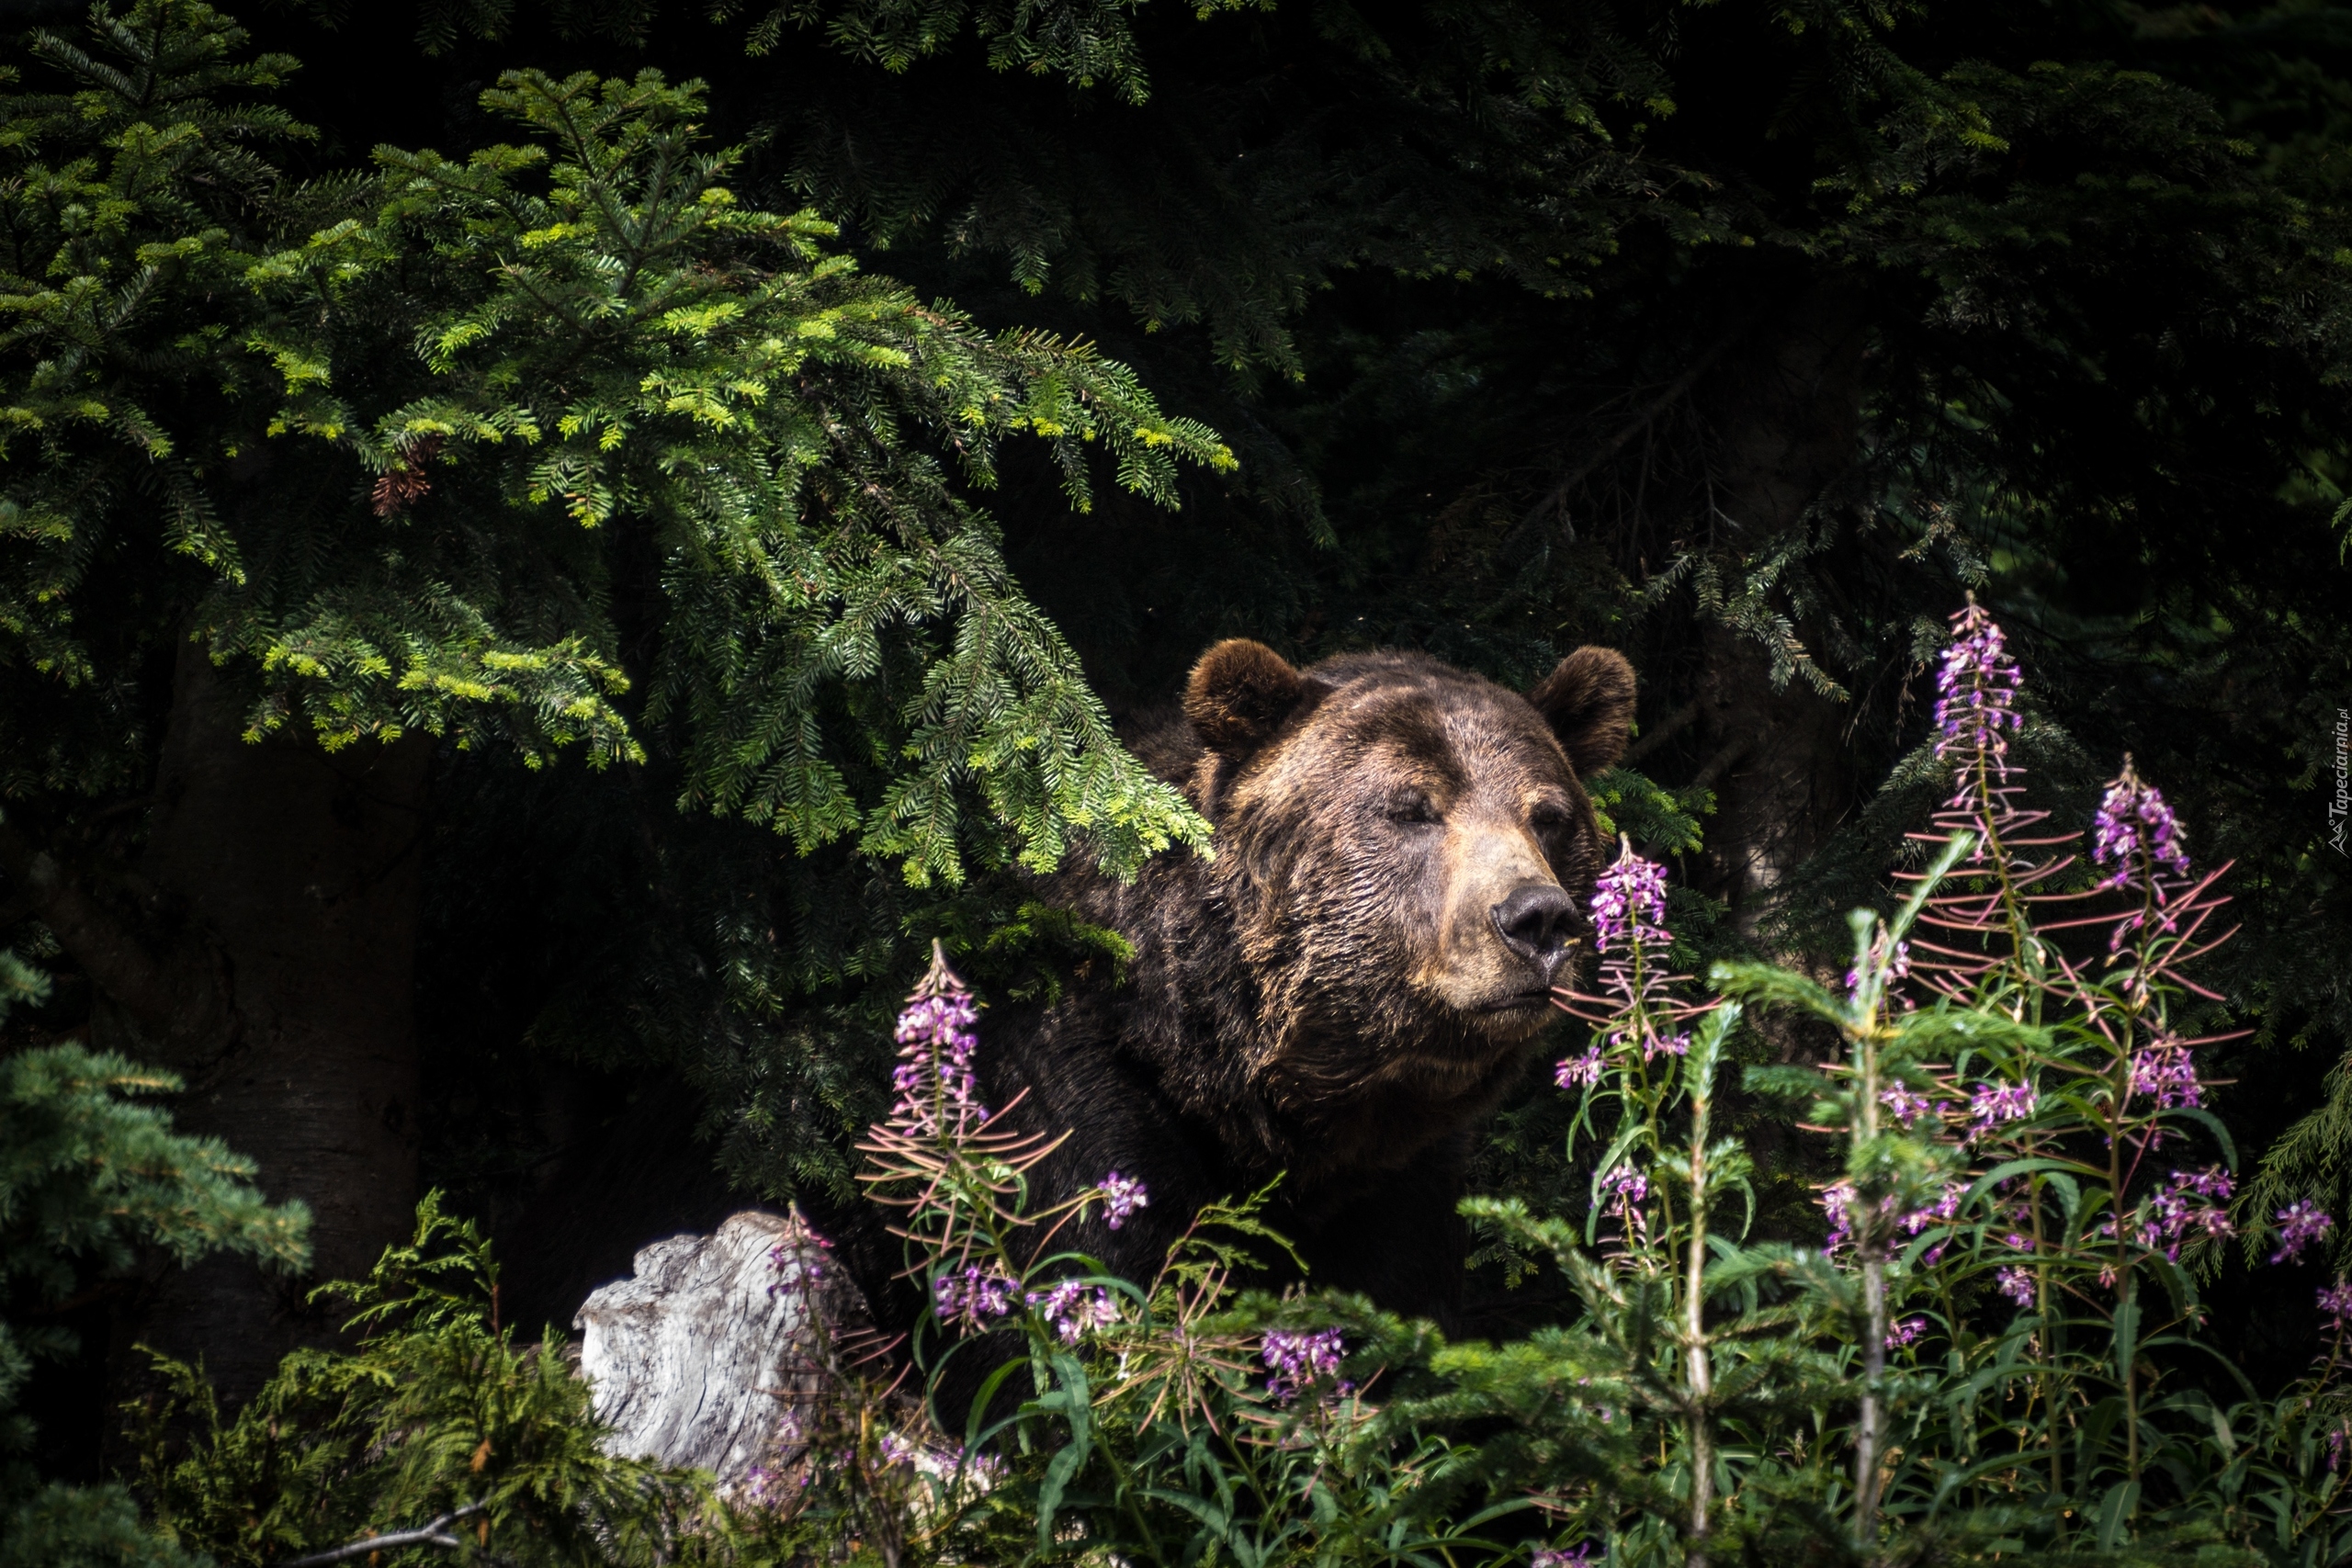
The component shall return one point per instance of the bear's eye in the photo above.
(1412, 806)
(1547, 816)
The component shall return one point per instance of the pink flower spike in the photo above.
(1993, 1104)
(2018, 1285)
(1628, 902)
(1299, 1360)
(1976, 689)
(2336, 1301)
(1902, 1104)
(2165, 1074)
(1122, 1196)
(1579, 1072)
(1070, 1309)
(2135, 830)
(2300, 1223)
(972, 1295)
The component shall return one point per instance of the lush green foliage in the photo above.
(436, 1410)
(407, 428)
(89, 1176)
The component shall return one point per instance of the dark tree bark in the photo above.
(273, 967)
(1788, 411)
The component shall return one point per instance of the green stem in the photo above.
(1866, 1246)
(1697, 1355)
(2049, 1347)
(2123, 1284)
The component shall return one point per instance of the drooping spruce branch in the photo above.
(446, 436)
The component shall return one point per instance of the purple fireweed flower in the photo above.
(796, 1268)
(1905, 1332)
(1122, 1196)
(1578, 1556)
(2300, 1223)
(1838, 1202)
(936, 1096)
(2166, 1074)
(1902, 1104)
(2016, 1284)
(1976, 690)
(1579, 1072)
(1628, 902)
(2175, 1215)
(2135, 830)
(1072, 1309)
(1629, 914)
(1898, 965)
(1299, 1360)
(1654, 1044)
(1942, 1211)
(972, 1295)
(1625, 1190)
(1626, 1185)
(2165, 1218)
(1993, 1104)
(2336, 1301)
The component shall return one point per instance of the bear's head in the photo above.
(1407, 850)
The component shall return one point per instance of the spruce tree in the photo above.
(558, 448)
(91, 1173)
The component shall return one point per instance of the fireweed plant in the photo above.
(1172, 1421)
(1998, 1351)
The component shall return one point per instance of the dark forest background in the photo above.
(1746, 337)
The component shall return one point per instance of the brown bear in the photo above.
(1403, 852)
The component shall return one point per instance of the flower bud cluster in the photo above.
(2300, 1224)
(1122, 1196)
(2135, 831)
(972, 1295)
(2166, 1074)
(1977, 692)
(934, 1081)
(1299, 1360)
(1074, 1309)
(1628, 929)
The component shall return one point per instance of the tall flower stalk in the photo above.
(1652, 1058)
(2025, 1048)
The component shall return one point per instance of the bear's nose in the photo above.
(1535, 922)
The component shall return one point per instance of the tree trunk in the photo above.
(282, 890)
(1789, 415)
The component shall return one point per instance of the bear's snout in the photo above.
(1537, 923)
(1507, 929)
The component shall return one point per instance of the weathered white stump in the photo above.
(693, 1360)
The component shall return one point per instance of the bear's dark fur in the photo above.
(1402, 855)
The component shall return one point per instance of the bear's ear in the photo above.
(1589, 703)
(1240, 693)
